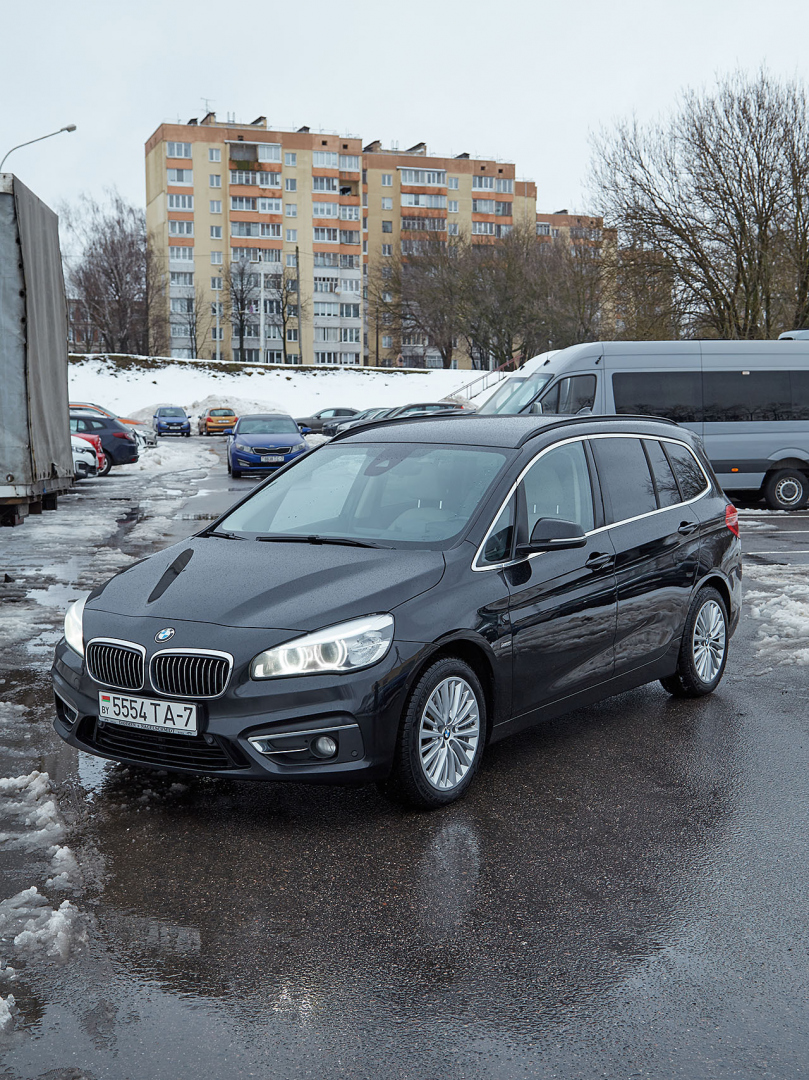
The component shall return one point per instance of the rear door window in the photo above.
(690, 477)
(626, 481)
(668, 494)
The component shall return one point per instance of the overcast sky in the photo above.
(524, 82)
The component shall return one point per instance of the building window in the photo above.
(420, 224)
(433, 202)
(292, 333)
(214, 155)
(327, 333)
(178, 149)
(181, 176)
(242, 202)
(290, 160)
(268, 179)
(270, 229)
(217, 333)
(349, 311)
(325, 308)
(387, 202)
(292, 236)
(290, 184)
(216, 206)
(349, 285)
(324, 159)
(327, 236)
(350, 334)
(453, 229)
(291, 209)
(217, 309)
(181, 277)
(485, 183)
(216, 232)
(325, 284)
(452, 206)
(349, 162)
(452, 183)
(387, 226)
(483, 228)
(325, 183)
(387, 179)
(182, 305)
(350, 213)
(215, 180)
(387, 249)
(216, 284)
(490, 206)
(349, 236)
(387, 341)
(181, 202)
(269, 152)
(292, 259)
(181, 228)
(325, 209)
(505, 187)
(326, 258)
(269, 206)
(178, 330)
(216, 258)
(424, 177)
(244, 228)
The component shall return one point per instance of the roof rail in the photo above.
(592, 418)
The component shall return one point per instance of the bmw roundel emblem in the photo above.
(164, 635)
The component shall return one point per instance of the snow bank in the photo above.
(34, 926)
(32, 822)
(781, 603)
(134, 387)
(7, 1011)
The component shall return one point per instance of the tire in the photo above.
(107, 465)
(704, 648)
(787, 489)
(434, 765)
(236, 473)
(186, 434)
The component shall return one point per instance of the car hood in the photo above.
(290, 438)
(247, 583)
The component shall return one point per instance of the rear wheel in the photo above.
(787, 489)
(704, 648)
(107, 465)
(441, 738)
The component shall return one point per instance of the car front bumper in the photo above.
(244, 462)
(360, 710)
(173, 429)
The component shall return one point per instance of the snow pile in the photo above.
(10, 714)
(133, 388)
(169, 456)
(35, 824)
(34, 926)
(782, 604)
(7, 1012)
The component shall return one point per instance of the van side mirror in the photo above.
(551, 533)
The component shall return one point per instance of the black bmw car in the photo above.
(386, 606)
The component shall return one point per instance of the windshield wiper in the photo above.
(292, 539)
(224, 535)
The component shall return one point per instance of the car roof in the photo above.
(266, 416)
(500, 431)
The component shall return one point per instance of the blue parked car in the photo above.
(171, 420)
(263, 442)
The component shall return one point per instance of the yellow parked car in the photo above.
(217, 421)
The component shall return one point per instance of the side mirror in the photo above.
(535, 408)
(551, 533)
(304, 430)
(228, 431)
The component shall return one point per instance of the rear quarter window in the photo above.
(690, 476)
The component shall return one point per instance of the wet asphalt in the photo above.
(623, 893)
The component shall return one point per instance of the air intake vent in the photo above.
(116, 664)
(190, 674)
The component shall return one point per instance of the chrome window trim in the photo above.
(192, 652)
(128, 645)
(602, 528)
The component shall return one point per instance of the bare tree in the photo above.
(111, 273)
(283, 306)
(242, 300)
(721, 192)
(196, 316)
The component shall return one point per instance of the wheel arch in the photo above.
(472, 651)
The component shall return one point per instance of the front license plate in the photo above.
(273, 459)
(177, 717)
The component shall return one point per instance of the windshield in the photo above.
(268, 425)
(514, 395)
(171, 412)
(222, 412)
(393, 494)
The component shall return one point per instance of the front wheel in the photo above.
(236, 473)
(704, 648)
(441, 738)
(786, 489)
(107, 465)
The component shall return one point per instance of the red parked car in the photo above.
(104, 464)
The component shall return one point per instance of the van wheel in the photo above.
(704, 648)
(786, 489)
(441, 738)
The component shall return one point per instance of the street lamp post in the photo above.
(69, 127)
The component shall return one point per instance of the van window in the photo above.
(759, 395)
(558, 486)
(571, 395)
(690, 477)
(514, 395)
(625, 478)
(673, 394)
(668, 494)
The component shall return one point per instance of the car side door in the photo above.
(656, 539)
(563, 602)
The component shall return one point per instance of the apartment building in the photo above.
(265, 239)
(258, 234)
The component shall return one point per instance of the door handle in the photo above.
(687, 527)
(598, 561)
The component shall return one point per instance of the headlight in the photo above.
(73, 626)
(242, 447)
(345, 647)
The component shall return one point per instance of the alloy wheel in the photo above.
(449, 733)
(709, 641)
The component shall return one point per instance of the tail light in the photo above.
(732, 518)
(124, 435)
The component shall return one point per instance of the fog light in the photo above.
(325, 746)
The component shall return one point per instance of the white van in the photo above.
(748, 400)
